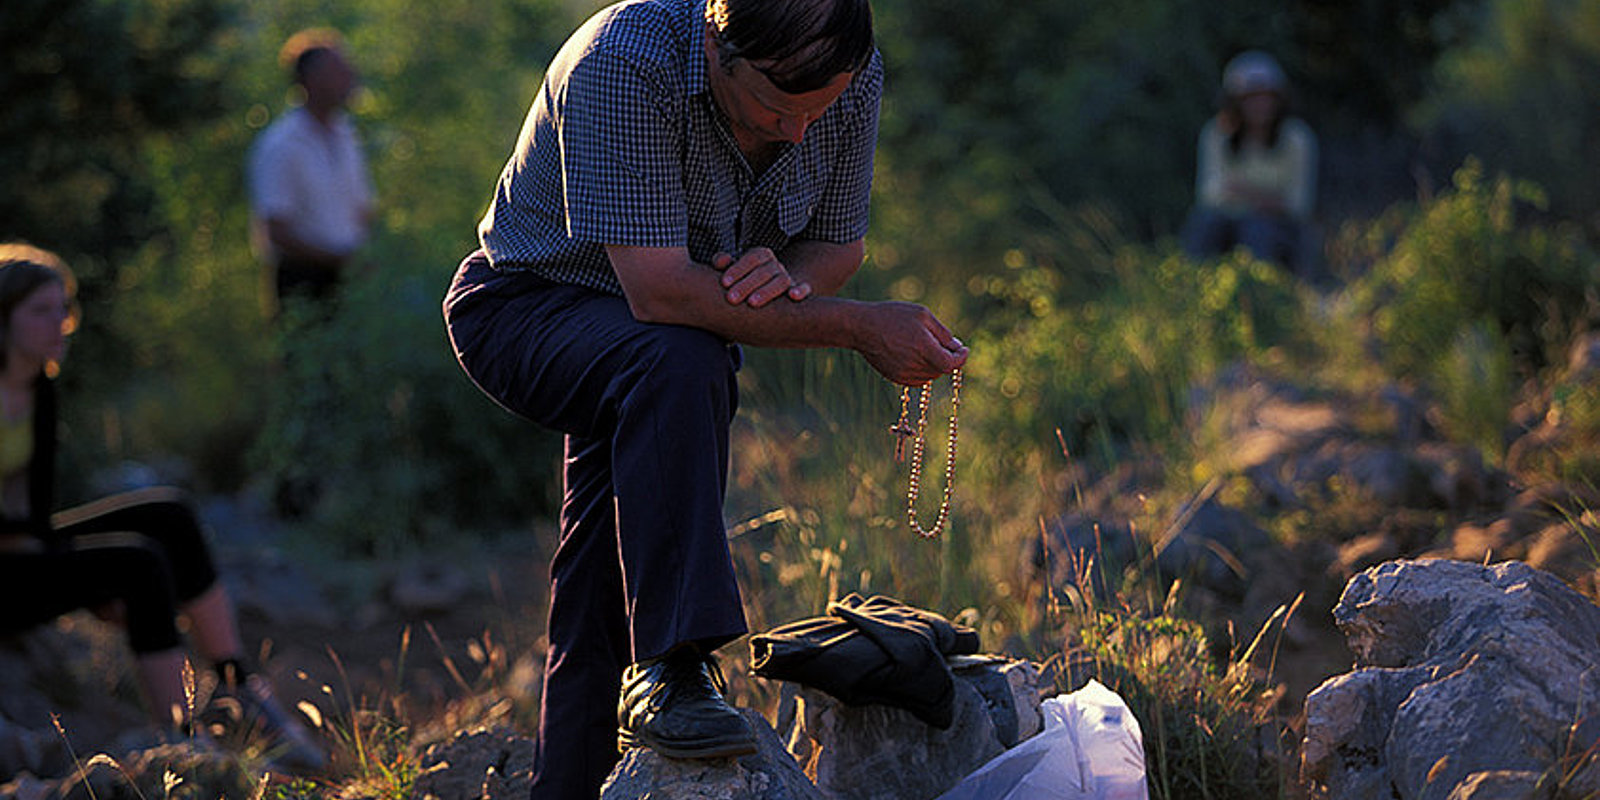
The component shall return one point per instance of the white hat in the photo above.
(1253, 71)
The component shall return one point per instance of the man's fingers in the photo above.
(748, 264)
(759, 291)
(766, 283)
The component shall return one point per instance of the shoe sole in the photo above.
(705, 748)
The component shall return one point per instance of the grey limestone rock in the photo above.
(881, 753)
(768, 774)
(1466, 677)
(490, 763)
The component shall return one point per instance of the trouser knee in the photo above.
(146, 590)
(676, 358)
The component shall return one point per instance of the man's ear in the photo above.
(712, 56)
(718, 55)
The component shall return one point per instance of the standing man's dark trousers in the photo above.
(643, 561)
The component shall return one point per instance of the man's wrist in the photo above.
(849, 320)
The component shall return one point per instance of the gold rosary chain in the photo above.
(919, 441)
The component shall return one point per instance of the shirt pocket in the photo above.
(795, 208)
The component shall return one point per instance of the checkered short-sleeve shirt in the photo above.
(623, 145)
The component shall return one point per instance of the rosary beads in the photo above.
(918, 435)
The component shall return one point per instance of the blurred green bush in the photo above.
(1475, 298)
(370, 417)
(1115, 368)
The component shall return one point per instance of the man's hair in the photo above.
(809, 42)
(304, 48)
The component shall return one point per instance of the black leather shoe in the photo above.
(673, 705)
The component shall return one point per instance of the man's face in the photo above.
(330, 78)
(760, 113)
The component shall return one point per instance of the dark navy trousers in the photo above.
(642, 564)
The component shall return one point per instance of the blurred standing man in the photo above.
(693, 175)
(309, 190)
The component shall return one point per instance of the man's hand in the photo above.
(908, 345)
(757, 278)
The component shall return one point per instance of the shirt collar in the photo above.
(309, 123)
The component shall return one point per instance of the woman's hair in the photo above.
(1232, 119)
(23, 269)
(810, 42)
(1251, 72)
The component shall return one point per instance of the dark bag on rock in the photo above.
(878, 650)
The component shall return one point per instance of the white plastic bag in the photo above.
(1090, 749)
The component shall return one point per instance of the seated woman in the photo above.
(1257, 169)
(141, 554)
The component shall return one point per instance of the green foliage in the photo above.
(105, 104)
(371, 412)
(1476, 382)
(993, 121)
(1579, 411)
(1106, 370)
(87, 83)
(1519, 94)
(1200, 724)
(1570, 449)
(1368, 62)
(996, 122)
(1472, 301)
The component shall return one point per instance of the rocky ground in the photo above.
(1308, 488)
(414, 640)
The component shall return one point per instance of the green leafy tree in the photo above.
(1519, 95)
(98, 96)
(87, 84)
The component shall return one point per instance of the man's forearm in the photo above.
(694, 297)
(903, 341)
(824, 265)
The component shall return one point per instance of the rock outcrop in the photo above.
(768, 774)
(881, 753)
(1470, 681)
(482, 764)
(827, 751)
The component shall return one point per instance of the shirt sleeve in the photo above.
(619, 140)
(269, 177)
(1300, 194)
(1208, 166)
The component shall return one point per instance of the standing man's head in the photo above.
(776, 65)
(315, 60)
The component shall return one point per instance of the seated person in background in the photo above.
(139, 557)
(1257, 169)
